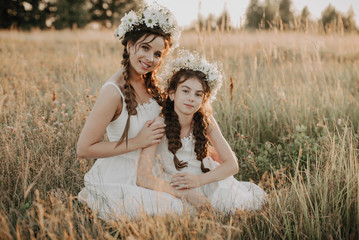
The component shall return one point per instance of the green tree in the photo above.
(285, 13)
(304, 15)
(224, 19)
(270, 10)
(348, 20)
(208, 23)
(70, 14)
(24, 14)
(254, 14)
(304, 18)
(41, 11)
(11, 13)
(27, 14)
(261, 16)
(329, 17)
(109, 12)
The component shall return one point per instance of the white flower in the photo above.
(130, 18)
(126, 25)
(163, 23)
(150, 22)
(171, 20)
(148, 13)
(120, 32)
(151, 16)
(192, 61)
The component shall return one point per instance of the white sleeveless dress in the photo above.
(227, 195)
(110, 185)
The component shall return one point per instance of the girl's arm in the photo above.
(213, 154)
(228, 167)
(104, 110)
(146, 179)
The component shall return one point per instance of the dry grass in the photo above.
(50, 80)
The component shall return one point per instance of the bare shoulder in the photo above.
(110, 90)
(212, 124)
(117, 78)
(109, 95)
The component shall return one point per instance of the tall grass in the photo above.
(289, 101)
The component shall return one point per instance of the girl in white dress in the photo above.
(183, 153)
(127, 104)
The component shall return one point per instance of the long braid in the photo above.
(201, 139)
(150, 80)
(173, 132)
(152, 87)
(130, 97)
(200, 119)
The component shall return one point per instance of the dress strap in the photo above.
(116, 86)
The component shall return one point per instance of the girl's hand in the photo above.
(196, 199)
(185, 181)
(151, 133)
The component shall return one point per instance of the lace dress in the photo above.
(226, 195)
(110, 185)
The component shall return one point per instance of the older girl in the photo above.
(126, 106)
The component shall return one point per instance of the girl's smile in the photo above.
(188, 96)
(189, 106)
(145, 65)
(146, 54)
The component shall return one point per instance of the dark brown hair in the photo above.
(200, 120)
(151, 81)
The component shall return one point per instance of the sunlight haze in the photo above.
(187, 11)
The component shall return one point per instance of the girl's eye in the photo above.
(157, 55)
(185, 90)
(144, 47)
(199, 94)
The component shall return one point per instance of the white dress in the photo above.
(110, 185)
(227, 195)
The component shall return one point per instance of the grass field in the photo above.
(289, 108)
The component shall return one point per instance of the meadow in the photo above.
(289, 107)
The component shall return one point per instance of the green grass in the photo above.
(292, 118)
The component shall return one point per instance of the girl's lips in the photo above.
(188, 106)
(146, 66)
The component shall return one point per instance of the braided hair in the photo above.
(151, 82)
(200, 119)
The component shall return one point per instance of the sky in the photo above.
(186, 11)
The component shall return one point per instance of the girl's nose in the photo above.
(149, 57)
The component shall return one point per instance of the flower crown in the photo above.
(194, 62)
(151, 16)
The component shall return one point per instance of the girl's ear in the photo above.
(128, 46)
(171, 95)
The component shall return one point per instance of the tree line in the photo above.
(60, 14)
(279, 14)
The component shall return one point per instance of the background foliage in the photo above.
(60, 14)
(267, 14)
(289, 108)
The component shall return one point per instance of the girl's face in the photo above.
(146, 54)
(188, 97)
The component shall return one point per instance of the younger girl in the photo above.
(183, 153)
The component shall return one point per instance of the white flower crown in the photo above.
(151, 16)
(194, 62)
